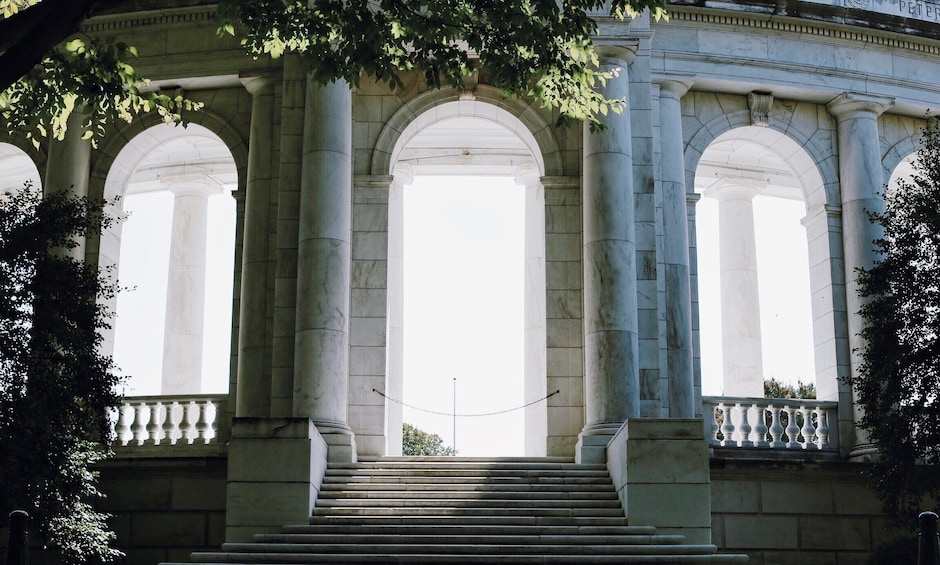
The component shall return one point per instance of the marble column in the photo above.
(68, 167)
(395, 287)
(186, 284)
(676, 252)
(611, 341)
(324, 258)
(860, 181)
(253, 386)
(740, 299)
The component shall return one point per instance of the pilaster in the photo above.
(676, 258)
(253, 381)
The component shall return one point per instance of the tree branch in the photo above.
(52, 22)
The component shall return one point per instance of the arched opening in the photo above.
(762, 312)
(175, 258)
(17, 169)
(467, 156)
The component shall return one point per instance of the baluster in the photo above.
(808, 431)
(727, 427)
(137, 427)
(169, 426)
(713, 435)
(201, 423)
(793, 431)
(122, 428)
(186, 425)
(760, 426)
(776, 428)
(214, 422)
(822, 427)
(744, 429)
(152, 427)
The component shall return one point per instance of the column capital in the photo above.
(674, 86)
(258, 84)
(373, 181)
(527, 175)
(851, 104)
(615, 53)
(735, 188)
(195, 184)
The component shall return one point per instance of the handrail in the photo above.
(771, 423)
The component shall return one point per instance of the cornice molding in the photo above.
(785, 24)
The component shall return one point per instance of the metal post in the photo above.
(455, 417)
(928, 549)
(18, 545)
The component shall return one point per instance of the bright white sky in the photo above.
(463, 302)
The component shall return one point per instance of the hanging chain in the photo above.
(426, 411)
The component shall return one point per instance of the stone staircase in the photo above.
(468, 511)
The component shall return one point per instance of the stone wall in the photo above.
(795, 512)
(164, 508)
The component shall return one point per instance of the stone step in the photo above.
(469, 511)
(463, 559)
(474, 549)
(560, 511)
(483, 520)
(449, 536)
(500, 495)
(635, 533)
(546, 483)
(465, 502)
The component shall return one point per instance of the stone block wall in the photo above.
(795, 512)
(164, 508)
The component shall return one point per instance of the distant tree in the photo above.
(776, 389)
(55, 386)
(417, 442)
(898, 384)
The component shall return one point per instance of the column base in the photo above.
(591, 448)
(275, 470)
(341, 441)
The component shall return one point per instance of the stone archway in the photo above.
(17, 169)
(177, 171)
(739, 165)
(509, 148)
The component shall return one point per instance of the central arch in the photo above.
(494, 141)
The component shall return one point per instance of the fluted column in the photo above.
(860, 180)
(676, 253)
(321, 357)
(611, 374)
(740, 298)
(186, 284)
(253, 386)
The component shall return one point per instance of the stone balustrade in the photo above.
(771, 423)
(182, 420)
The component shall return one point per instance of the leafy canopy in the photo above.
(898, 385)
(539, 48)
(417, 442)
(55, 386)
